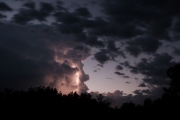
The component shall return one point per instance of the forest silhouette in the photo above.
(46, 103)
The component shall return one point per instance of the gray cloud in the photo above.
(176, 51)
(100, 65)
(144, 44)
(128, 82)
(118, 67)
(138, 92)
(119, 97)
(112, 46)
(30, 5)
(153, 15)
(83, 11)
(154, 70)
(101, 57)
(118, 73)
(126, 64)
(4, 7)
(109, 78)
(126, 76)
(142, 85)
(26, 15)
(143, 26)
(2, 16)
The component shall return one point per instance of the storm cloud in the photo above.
(125, 30)
(4, 7)
(30, 14)
(38, 55)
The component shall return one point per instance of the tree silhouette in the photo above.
(174, 74)
(170, 101)
(47, 103)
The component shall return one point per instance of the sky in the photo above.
(120, 48)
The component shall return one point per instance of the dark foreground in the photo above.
(45, 103)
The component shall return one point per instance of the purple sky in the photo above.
(121, 48)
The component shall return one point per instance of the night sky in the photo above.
(121, 48)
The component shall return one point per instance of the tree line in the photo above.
(47, 103)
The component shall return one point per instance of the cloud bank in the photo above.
(33, 55)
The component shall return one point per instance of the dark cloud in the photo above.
(93, 41)
(142, 85)
(70, 29)
(154, 70)
(133, 50)
(111, 46)
(175, 29)
(73, 26)
(126, 64)
(146, 91)
(2, 16)
(105, 55)
(94, 24)
(116, 96)
(154, 16)
(59, 5)
(30, 5)
(142, 25)
(82, 11)
(118, 67)
(4, 7)
(176, 51)
(114, 30)
(126, 76)
(138, 92)
(26, 15)
(109, 78)
(100, 65)
(46, 7)
(16, 72)
(95, 2)
(115, 50)
(121, 53)
(34, 58)
(79, 48)
(66, 17)
(141, 92)
(145, 44)
(119, 97)
(128, 82)
(118, 73)
(101, 57)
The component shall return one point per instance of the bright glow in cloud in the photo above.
(58, 60)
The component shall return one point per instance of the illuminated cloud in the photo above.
(34, 55)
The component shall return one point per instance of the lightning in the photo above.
(77, 81)
(77, 78)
